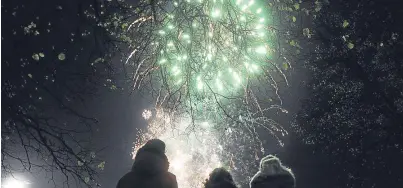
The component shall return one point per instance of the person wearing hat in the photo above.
(272, 174)
(220, 178)
(150, 168)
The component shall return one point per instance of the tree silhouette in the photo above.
(355, 104)
(54, 58)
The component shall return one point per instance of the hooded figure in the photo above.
(220, 178)
(150, 168)
(272, 174)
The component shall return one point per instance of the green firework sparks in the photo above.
(214, 46)
(212, 59)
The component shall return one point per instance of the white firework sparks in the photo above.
(147, 114)
(193, 151)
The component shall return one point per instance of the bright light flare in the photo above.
(15, 183)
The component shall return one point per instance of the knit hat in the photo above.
(272, 174)
(220, 178)
(155, 145)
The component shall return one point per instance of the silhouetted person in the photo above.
(272, 174)
(150, 168)
(220, 178)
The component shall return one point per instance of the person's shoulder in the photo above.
(169, 179)
(280, 180)
(169, 174)
(128, 179)
(258, 177)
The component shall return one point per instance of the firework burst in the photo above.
(200, 56)
(213, 46)
(209, 66)
(192, 154)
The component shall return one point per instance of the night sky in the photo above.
(118, 110)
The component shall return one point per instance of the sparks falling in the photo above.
(192, 154)
(194, 149)
(209, 66)
(213, 46)
(198, 57)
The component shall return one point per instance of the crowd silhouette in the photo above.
(150, 170)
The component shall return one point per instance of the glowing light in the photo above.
(244, 7)
(192, 156)
(255, 67)
(215, 13)
(170, 44)
(209, 57)
(210, 34)
(219, 84)
(146, 114)
(261, 50)
(14, 183)
(186, 36)
(162, 32)
(162, 61)
(176, 70)
(199, 83)
(178, 82)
